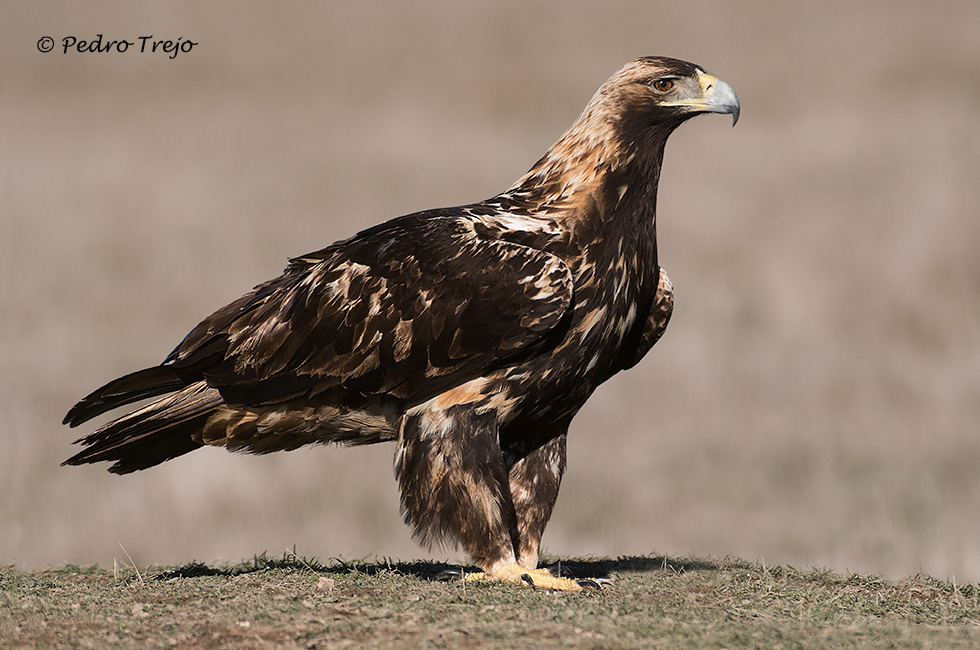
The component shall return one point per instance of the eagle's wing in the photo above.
(404, 309)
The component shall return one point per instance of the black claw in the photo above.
(526, 578)
(589, 583)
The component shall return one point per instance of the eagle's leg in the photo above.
(455, 487)
(454, 484)
(534, 481)
(534, 478)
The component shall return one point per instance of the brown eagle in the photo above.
(469, 336)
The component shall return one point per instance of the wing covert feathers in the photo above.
(399, 311)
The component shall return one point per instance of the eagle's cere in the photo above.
(468, 336)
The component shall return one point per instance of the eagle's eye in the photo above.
(663, 85)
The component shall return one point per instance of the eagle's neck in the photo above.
(594, 174)
(598, 185)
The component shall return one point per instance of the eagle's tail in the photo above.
(148, 436)
(135, 386)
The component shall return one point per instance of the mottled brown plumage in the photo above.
(470, 336)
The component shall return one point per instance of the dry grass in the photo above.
(813, 402)
(651, 602)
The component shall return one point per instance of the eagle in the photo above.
(468, 336)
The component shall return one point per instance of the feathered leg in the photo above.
(454, 485)
(534, 482)
(534, 478)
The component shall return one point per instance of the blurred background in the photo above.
(815, 401)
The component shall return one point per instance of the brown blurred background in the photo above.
(814, 402)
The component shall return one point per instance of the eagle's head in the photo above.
(659, 93)
(625, 126)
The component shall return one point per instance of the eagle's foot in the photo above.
(515, 574)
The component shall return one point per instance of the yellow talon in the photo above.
(515, 574)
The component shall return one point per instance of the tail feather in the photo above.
(161, 430)
(135, 386)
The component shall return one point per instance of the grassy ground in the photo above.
(651, 602)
